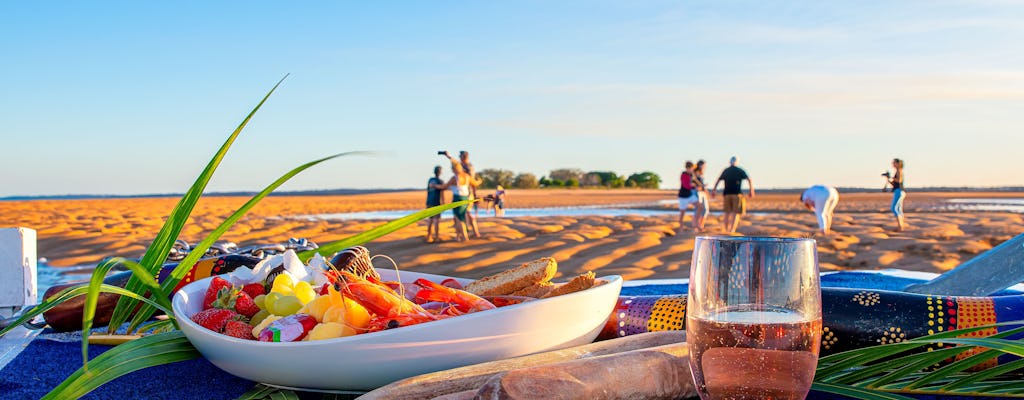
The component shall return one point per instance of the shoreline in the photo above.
(82, 232)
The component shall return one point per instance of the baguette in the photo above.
(582, 282)
(536, 291)
(661, 372)
(472, 377)
(506, 282)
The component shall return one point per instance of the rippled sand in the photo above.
(77, 232)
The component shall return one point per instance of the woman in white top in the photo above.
(823, 200)
(460, 187)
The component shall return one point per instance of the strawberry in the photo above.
(213, 292)
(245, 306)
(254, 289)
(236, 300)
(214, 319)
(239, 330)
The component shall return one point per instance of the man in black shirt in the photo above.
(734, 204)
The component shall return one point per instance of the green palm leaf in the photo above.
(95, 286)
(897, 368)
(153, 259)
(132, 356)
(355, 240)
(186, 264)
(75, 291)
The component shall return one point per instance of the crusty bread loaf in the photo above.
(582, 282)
(536, 291)
(511, 280)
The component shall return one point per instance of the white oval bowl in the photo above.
(367, 361)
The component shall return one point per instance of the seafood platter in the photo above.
(341, 324)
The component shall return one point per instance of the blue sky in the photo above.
(134, 97)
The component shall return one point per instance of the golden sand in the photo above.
(78, 232)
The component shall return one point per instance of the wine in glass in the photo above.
(753, 322)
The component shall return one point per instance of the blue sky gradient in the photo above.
(134, 97)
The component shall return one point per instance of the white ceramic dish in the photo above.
(365, 362)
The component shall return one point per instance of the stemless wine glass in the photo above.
(753, 321)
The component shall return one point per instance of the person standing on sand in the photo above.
(474, 182)
(435, 197)
(687, 193)
(733, 202)
(823, 200)
(898, 193)
(460, 187)
(703, 206)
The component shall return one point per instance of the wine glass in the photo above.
(753, 322)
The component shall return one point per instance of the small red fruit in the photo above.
(254, 289)
(212, 292)
(245, 306)
(236, 300)
(214, 319)
(239, 330)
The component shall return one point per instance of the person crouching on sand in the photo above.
(822, 200)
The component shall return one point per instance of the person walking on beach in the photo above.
(460, 187)
(687, 193)
(823, 200)
(703, 206)
(473, 183)
(435, 197)
(898, 193)
(733, 202)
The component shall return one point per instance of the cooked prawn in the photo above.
(463, 302)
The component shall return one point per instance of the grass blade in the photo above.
(141, 353)
(355, 240)
(258, 392)
(73, 292)
(904, 365)
(199, 250)
(953, 368)
(982, 375)
(856, 392)
(93, 295)
(157, 251)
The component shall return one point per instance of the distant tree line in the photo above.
(568, 178)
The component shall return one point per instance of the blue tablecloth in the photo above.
(51, 357)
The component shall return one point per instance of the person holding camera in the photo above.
(822, 200)
(460, 185)
(898, 192)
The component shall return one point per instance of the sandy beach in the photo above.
(81, 232)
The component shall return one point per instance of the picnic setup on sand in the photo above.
(306, 325)
(756, 319)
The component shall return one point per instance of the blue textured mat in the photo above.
(51, 357)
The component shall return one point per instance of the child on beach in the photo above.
(499, 201)
(823, 200)
(435, 197)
